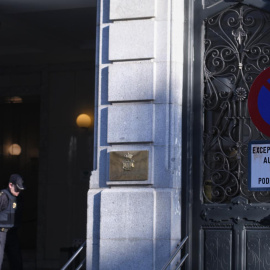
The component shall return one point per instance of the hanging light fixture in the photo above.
(15, 149)
(83, 121)
(14, 99)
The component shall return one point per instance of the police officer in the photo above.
(8, 207)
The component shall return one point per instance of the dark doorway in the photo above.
(48, 59)
(20, 125)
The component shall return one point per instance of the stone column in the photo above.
(136, 224)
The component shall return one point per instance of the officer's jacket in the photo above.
(7, 216)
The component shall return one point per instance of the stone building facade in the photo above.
(135, 224)
(173, 81)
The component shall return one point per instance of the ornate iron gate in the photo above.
(226, 215)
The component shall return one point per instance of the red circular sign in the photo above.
(259, 102)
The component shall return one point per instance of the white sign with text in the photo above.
(259, 165)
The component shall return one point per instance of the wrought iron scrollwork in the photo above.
(237, 50)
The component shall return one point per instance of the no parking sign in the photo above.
(259, 102)
(259, 151)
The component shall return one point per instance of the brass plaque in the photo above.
(128, 165)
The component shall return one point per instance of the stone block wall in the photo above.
(139, 64)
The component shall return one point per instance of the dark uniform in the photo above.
(8, 222)
(12, 248)
(8, 207)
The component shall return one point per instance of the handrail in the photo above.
(81, 264)
(180, 246)
(73, 257)
(182, 261)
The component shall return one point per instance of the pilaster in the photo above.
(136, 224)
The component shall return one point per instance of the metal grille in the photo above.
(237, 49)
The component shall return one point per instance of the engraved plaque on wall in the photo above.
(129, 165)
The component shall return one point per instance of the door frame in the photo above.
(192, 117)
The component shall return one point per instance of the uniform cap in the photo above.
(17, 180)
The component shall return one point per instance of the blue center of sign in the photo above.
(264, 103)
